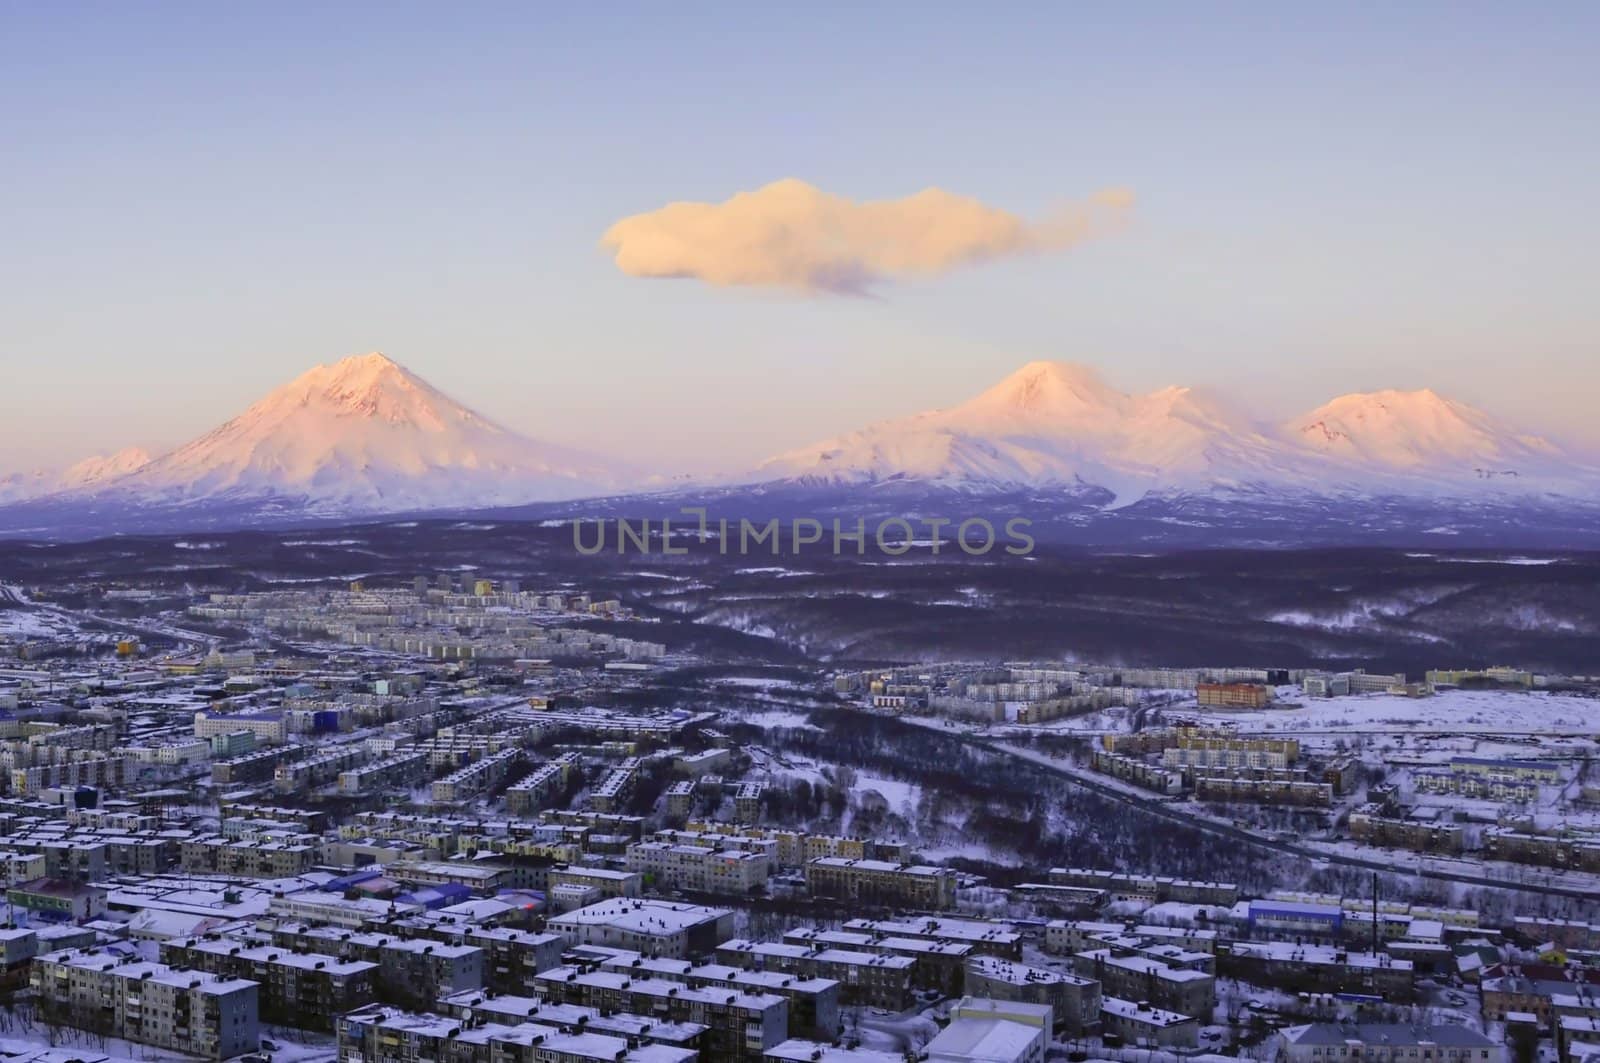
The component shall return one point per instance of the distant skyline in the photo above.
(199, 203)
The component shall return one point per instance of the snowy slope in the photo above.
(98, 469)
(103, 468)
(1055, 423)
(1424, 433)
(362, 436)
(1059, 424)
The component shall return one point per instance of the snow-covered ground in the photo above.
(1487, 711)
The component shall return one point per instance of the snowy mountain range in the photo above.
(361, 436)
(367, 437)
(1056, 424)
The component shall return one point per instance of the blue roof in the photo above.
(1297, 908)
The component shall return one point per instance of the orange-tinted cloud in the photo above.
(790, 234)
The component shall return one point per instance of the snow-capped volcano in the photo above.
(1059, 424)
(363, 436)
(1053, 423)
(1421, 431)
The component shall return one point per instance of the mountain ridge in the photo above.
(366, 437)
(1060, 423)
(363, 435)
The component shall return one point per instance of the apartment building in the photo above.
(1578, 851)
(1388, 1043)
(1137, 1022)
(613, 791)
(937, 965)
(474, 780)
(252, 767)
(269, 728)
(532, 792)
(413, 972)
(699, 868)
(641, 1032)
(607, 882)
(148, 1003)
(1233, 695)
(512, 956)
(381, 1035)
(309, 773)
(306, 990)
(795, 848)
(813, 1002)
(59, 899)
(225, 856)
(1508, 789)
(747, 802)
(1265, 786)
(870, 979)
(1074, 1002)
(880, 882)
(1156, 888)
(740, 1026)
(1184, 991)
(1138, 772)
(399, 771)
(648, 927)
(984, 938)
(1367, 824)
(90, 770)
(1317, 969)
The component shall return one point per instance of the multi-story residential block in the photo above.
(382, 1035)
(613, 791)
(532, 792)
(1367, 825)
(412, 972)
(1138, 772)
(1388, 1043)
(699, 868)
(1074, 1001)
(648, 927)
(747, 802)
(306, 990)
(1137, 978)
(512, 956)
(59, 899)
(1137, 1022)
(225, 856)
(813, 1002)
(270, 728)
(607, 882)
(473, 780)
(1154, 888)
(1317, 969)
(403, 770)
(877, 980)
(740, 1026)
(1233, 695)
(881, 882)
(148, 1003)
(985, 938)
(935, 964)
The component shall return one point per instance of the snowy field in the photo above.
(1491, 711)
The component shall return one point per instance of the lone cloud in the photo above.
(790, 234)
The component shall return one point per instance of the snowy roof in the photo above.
(999, 1040)
(1392, 1034)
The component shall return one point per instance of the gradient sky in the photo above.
(200, 201)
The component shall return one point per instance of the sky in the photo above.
(199, 201)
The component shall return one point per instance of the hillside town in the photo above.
(461, 820)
